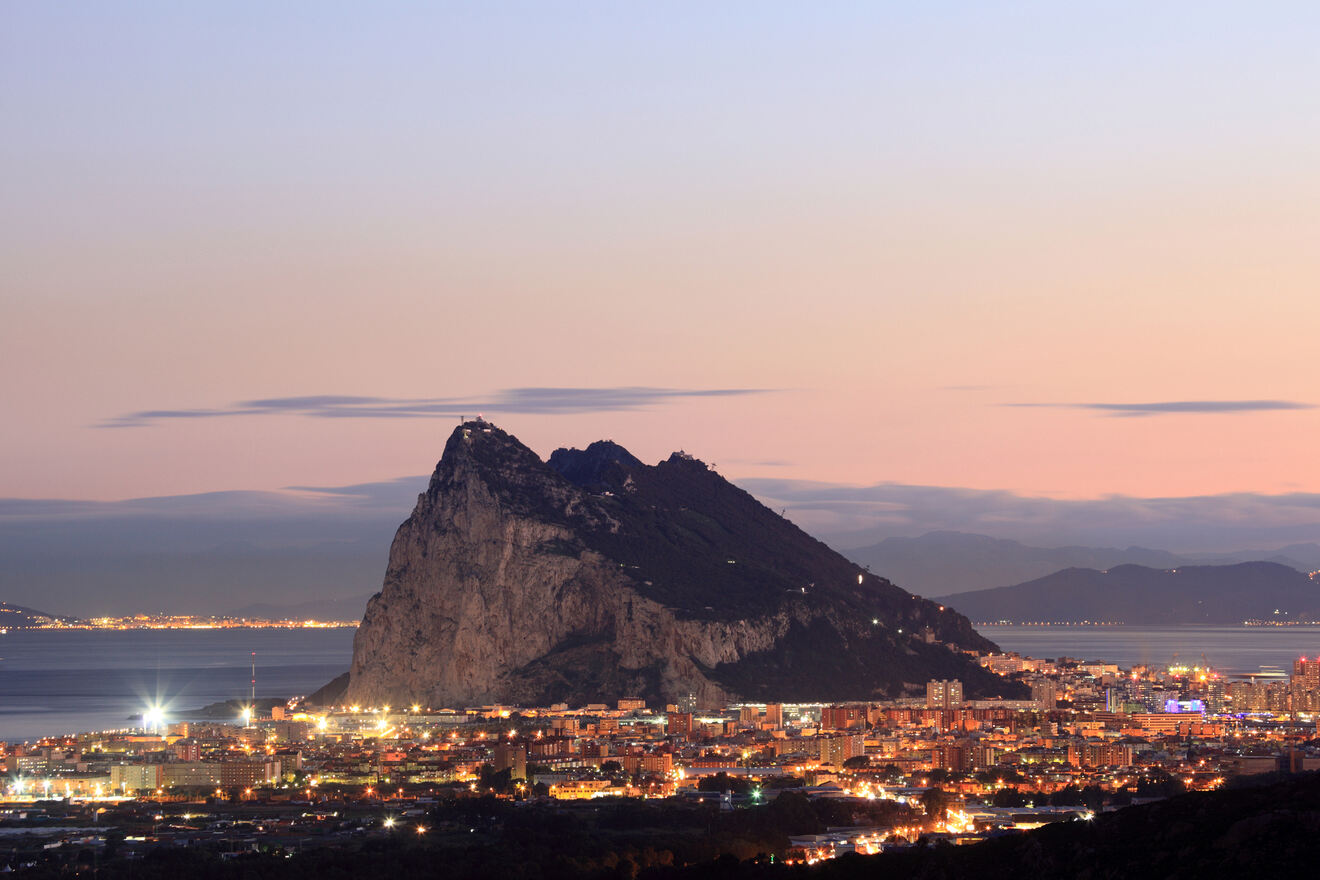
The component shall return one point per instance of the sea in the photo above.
(68, 681)
(1236, 651)
(58, 681)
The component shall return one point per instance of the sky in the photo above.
(1056, 252)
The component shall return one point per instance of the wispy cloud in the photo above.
(1141, 410)
(541, 401)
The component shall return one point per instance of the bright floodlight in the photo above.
(153, 717)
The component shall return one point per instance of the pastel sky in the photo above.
(1061, 250)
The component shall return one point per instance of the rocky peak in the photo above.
(602, 465)
(596, 576)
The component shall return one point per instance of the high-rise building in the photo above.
(956, 757)
(1304, 686)
(842, 717)
(678, 724)
(1307, 673)
(511, 757)
(774, 714)
(837, 749)
(1216, 695)
(944, 694)
(1046, 693)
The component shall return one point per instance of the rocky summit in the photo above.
(593, 576)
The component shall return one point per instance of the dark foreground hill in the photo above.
(1205, 594)
(1263, 831)
(594, 576)
(1269, 831)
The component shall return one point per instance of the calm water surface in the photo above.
(1235, 650)
(66, 681)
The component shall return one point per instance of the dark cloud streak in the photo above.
(532, 400)
(1142, 410)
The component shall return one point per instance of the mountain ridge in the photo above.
(1207, 594)
(946, 562)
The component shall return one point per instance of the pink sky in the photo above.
(896, 242)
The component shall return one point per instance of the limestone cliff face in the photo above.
(513, 583)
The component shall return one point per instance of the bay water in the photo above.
(67, 681)
(1231, 650)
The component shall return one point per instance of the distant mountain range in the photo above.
(947, 563)
(1132, 594)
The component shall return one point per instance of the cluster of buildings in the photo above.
(1090, 728)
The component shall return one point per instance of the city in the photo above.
(892, 775)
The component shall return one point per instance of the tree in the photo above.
(935, 801)
(724, 782)
(1008, 797)
(494, 780)
(1159, 784)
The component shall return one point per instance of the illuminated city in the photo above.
(1092, 737)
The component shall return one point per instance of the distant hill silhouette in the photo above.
(943, 563)
(18, 617)
(1213, 594)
